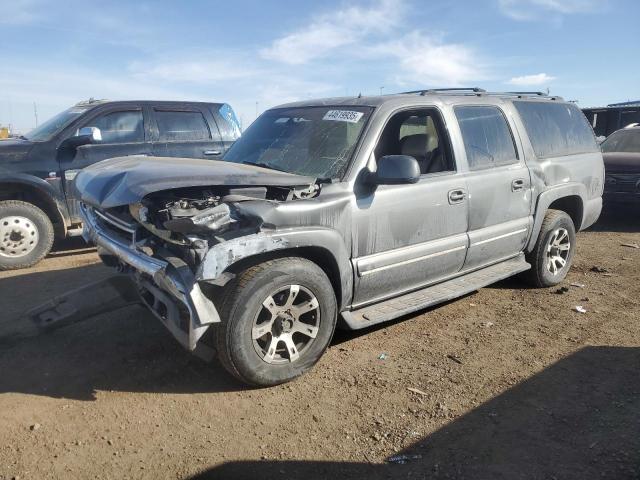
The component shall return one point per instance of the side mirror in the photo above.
(396, 170)
(84, 136)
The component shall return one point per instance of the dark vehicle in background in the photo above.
(621, 152)
(606, 120)
(37, 169)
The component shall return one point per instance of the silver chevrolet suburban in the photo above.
(346, 211)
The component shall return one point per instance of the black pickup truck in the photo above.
(37, 203)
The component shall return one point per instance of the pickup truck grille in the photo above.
(119, 223)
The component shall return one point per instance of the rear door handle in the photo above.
(212, 152)
(457, 196)
(517, 184)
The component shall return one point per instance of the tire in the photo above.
(26, 235)
(256, 302)
(546, 270)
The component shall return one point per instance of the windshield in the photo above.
(52, 126)
(623, 141)
(312, 141)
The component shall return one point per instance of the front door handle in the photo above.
(212, 152)
(457, 196)
(517, 185)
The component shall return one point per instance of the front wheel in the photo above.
(553, 253)
(278, 318)
(26, 235)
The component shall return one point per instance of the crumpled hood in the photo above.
(14, 149)
(621, 162)
(126, 180)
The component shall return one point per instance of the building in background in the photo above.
(606, 120)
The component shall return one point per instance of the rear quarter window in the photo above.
(556, 129)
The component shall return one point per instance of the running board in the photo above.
(435, 294)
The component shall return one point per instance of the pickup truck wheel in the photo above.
(278, 318)
(553, 253)
(26, 235)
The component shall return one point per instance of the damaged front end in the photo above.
(178, 243)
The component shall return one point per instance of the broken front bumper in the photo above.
(166, 285)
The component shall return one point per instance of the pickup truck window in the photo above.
(120, 127)
(487, 138)
(556, 129)
(52, 126)
(175, 126)
(314, 141)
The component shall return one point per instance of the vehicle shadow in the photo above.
(70, 246)
(123, 350)
(577, 419)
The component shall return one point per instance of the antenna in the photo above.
(35, 112)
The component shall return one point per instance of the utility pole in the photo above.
(381, 88)
(256, 109)
(35, 112)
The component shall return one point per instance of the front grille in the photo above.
(119, 224)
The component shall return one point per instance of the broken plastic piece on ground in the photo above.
(418, 391)
(382, 356)
(598, 269)
(630, 245)
(402, 459)
(580, 309)
(578, 285)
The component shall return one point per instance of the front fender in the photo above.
(43, 187)
(223, 255)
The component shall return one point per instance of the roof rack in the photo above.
(475, 91)
(445, 90)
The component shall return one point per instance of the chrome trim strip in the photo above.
(522, 230)
(412, 260)
(116, 222)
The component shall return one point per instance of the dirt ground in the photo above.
(511, 383)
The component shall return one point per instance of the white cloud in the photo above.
(429, 61)
(533, 9)
(328, 32)
(532, 80)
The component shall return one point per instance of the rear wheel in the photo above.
(278, 318)
(26, 235)
(553, 253)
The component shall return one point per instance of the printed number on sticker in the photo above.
(343, 116)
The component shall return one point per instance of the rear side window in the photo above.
(181, 126)
(487, 138)
(556, 129)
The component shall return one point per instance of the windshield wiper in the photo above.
(264, 165)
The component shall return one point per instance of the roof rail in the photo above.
(444, 90)
(539, 94)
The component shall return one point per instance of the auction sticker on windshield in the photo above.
(343, 116)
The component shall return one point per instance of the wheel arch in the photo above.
(568, 198)
(322, 246)
(39, 193)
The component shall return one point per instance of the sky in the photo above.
(256, 54)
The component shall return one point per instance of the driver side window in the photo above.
(120, 127)
(418, 134)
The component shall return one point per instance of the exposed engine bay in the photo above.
(192, 219)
